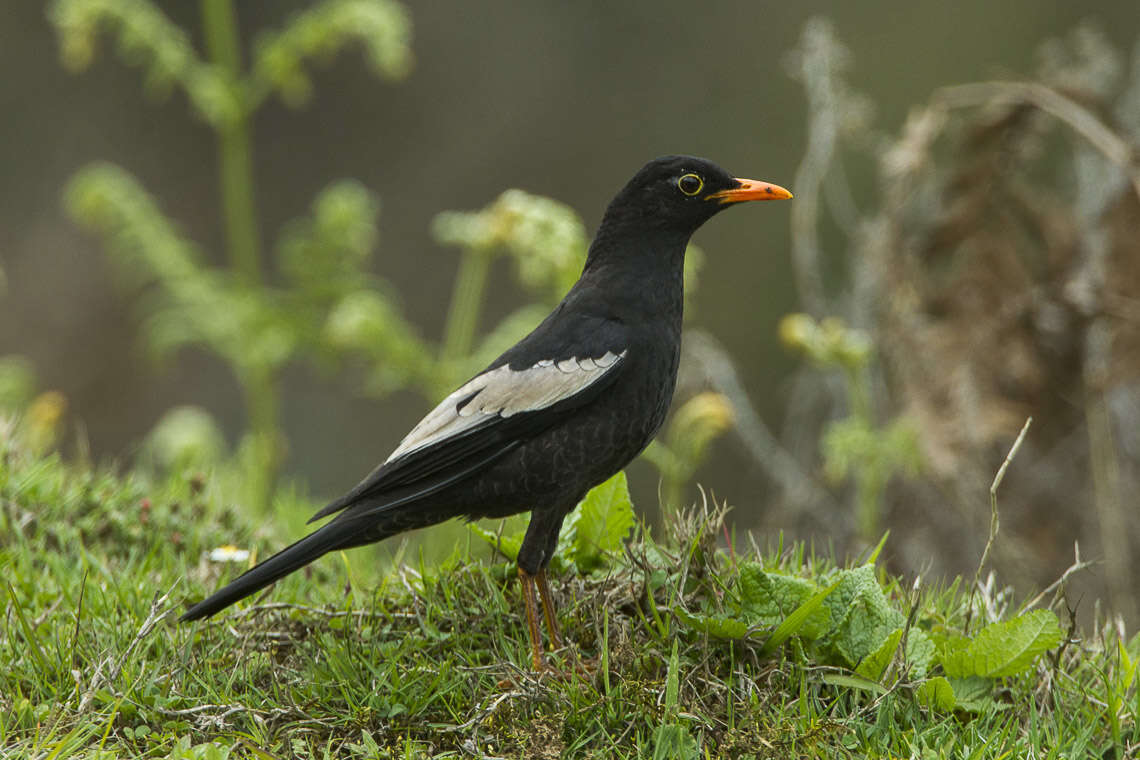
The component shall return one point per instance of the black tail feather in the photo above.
(333, 536)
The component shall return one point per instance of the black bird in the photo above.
(560, 412)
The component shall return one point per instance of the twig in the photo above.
(1044, 98)
(153, 618)
(1058, 585)
(995, 522)
(483, 714)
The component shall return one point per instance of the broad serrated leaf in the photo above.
(768, 598)
(873, 665)
(1010, 647)
(600, 524)
(920, 651)
(811, 619)
(919, 654)
(1002, 649)
(973, 694)
(863, 614)
(936, 694)
(953, 655)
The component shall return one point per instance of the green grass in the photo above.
(339, 661)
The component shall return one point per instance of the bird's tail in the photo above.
(336, 535)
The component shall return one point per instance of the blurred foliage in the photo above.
(148, 39)
(17, 383)
(856, 445)
(36, 416)
(194, 304)
(693, 427)
(229, 311)
(186, 439)
(545, 239)
(992, 275)
(326, 307)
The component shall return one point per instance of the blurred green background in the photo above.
(564, 100)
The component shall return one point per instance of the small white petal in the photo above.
(229, 553)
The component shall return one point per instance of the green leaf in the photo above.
(953, 655)
(936, 694)
(873, 665)
(768, 598)
(674, 742)
(853, 682)
(600, 524)
(878, 548)
(973, 694)
(719, 626)
(920, 651)
(1010, 647)
(865, 617)
(672, 683)
(380, 27)
(810, 618)
(919, 654)
(1126, 672)
(1002, 649)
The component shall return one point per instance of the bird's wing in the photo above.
(484, 419)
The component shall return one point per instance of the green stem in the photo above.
(235, 151)
(235, 169)
(261, 399)
(868, 484)
(466, 300)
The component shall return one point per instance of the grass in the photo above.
(433, 661)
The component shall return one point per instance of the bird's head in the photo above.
(683, 192)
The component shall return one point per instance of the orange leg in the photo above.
(548, 610)
(528, 582)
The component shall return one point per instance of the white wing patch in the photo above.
(504, 392)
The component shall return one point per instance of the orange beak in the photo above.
(751, 190)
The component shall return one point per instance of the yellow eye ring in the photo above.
(690, 184)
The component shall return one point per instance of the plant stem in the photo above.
(235, 167)
(869, 482)
(466, 300)
(235, 152)
(260, 388)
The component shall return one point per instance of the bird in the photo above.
(560, 412)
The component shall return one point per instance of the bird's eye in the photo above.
(690, 184)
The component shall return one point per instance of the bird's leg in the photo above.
(548, 610)
(527, 581)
